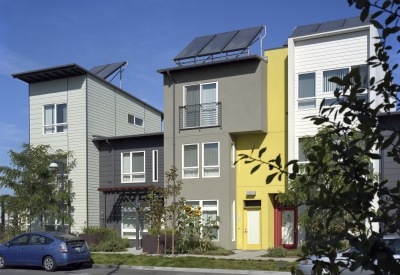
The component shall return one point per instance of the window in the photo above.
(306, 91)
(129, 222)
(233, 154)
(191, 161)
(210, 160)
(135, 120)
(301, 154)
(209, 210)
(201, 106)
(363, 69)
(330, 86)
(133, 167)
(55, 118)
(155, 165)
(233, 220)
(22, 240)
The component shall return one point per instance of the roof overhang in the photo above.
(52, 73)
(99, 138)
(212, 64)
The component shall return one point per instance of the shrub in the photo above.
(277, 252)
(111, 243)
(296, 252)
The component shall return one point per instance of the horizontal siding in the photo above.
(318, 55)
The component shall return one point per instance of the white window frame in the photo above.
(191, 168)
(55, 124)
(155, 165)
(131, 174)
(131, 209)
(303, 99)
(134, 121)
(201, 203)
(204, 167)
(322, 79)
(233, 220)
(216, 102)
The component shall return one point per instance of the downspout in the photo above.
(87, 157)
(173, 150)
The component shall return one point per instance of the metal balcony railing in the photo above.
(200, 116)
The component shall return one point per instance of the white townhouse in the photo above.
(317, 52)
(68, 106)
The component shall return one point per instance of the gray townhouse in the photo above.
(68, 106)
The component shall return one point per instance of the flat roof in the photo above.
(212, 64)
(65, 71)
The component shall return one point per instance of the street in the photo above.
(94, 271)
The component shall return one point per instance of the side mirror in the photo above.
(8, 244)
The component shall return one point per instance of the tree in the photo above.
(359, 190)
(36, 189)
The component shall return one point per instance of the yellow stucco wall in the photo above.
(276, 142)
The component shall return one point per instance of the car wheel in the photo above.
(2, 262)
(77, 266)
(49, 264)
(325, 271)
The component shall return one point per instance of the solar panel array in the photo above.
(105, 71)
(219, 43)
(329, 26)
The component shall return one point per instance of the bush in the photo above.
(212, 250)
(296, 252)
(277, 252)
(111, 243)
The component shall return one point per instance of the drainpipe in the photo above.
(173, 152)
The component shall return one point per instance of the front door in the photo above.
(252, 229)
(285, 226)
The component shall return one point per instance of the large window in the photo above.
(129, 222)
(209, 210)
(331, 86)
(201, 107)
(191, 161)
(306, 91)
(55, 118)
(210, 160)
(133, 167)
(364, 78)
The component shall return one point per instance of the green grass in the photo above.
(191, 262)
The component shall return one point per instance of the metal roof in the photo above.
(105, 71)
(52, 73)
(329, 26)
(220, 43)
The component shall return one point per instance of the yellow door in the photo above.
(252, 229)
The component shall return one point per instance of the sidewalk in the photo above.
(239, 255)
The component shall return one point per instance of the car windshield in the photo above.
(394, 245)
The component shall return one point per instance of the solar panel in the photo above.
(218, 43)
(304, 30)
(105, 71)
(194, 47)
(356, 22)
(243, 39)
(331, 26)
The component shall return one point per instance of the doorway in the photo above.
(285, 226)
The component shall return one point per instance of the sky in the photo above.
(36, 34)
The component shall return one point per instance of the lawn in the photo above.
(191, 262)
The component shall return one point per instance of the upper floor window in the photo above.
(306, 91)
(155, 165)
(364, 78)
(135, 120)
(201, 106)
(328, 86)
(55, 118)
(133, 167)
(210, 160)
(190, 161)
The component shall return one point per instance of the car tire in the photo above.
(77, 266)
(325, 271)
(49, 264)
(2, 262)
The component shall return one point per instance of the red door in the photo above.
(285, 226)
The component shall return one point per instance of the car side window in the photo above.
(22, 240)
(37, 239)
(49, 241)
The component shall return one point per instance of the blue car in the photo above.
(46, 249)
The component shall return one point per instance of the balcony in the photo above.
(200, 116)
